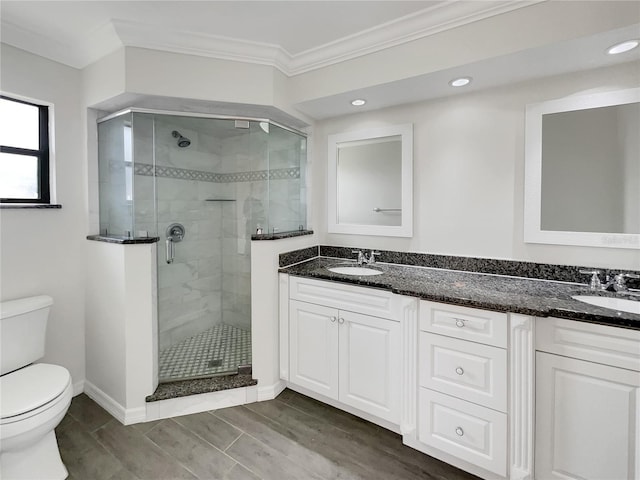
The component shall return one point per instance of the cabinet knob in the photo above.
(459, 322)
(333, 319)
(459, 431)
(341, 320)
(459, 371)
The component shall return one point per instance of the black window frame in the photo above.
(42, 154)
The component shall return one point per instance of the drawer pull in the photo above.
(459, 431)
(459, 371)
(459, 322)
(333, 319)
(341, 321)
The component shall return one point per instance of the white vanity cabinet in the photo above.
(462, 369)
(349, 357)
(344, 342)
(587, 401)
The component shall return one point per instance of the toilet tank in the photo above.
(23, 324)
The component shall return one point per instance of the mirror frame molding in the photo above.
(405, 229)
(533, 172)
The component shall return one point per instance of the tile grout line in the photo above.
(168, 453)
(313, 474)
(235, 460)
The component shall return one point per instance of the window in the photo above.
(24, 151)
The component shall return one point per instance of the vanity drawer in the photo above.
(465, 430)
(471, 371)
(482, 326)
(618, 347)
(368, 301)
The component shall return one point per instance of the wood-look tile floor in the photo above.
(292, 437)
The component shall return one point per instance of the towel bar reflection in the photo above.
(378, 209)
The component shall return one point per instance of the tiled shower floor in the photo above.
(224, 345)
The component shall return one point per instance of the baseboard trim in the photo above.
(105, 401)
(78, 388)
(271, 391)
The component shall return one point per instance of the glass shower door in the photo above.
(203, 171)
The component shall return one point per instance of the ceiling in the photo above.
(298, 37)
(294, 36)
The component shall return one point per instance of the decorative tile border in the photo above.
(186, 174)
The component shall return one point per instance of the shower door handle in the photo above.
(171, 250)
(175, 233)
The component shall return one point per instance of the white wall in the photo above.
(42, 251)
(469, 172)
(121, 327)
(265, 343)
(153, 72)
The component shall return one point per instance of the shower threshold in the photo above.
(195, 386)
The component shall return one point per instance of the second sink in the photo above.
(619, 304)
(354, 270)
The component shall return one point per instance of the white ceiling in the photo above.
(294, 36)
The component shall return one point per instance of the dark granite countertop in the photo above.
(122, 240)
(281, 235)
(541, 298)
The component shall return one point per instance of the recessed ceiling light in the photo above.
(358, 102)
(622, 47)
(460, 82)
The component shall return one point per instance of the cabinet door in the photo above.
(313, 344)
(587, 420)
(370, 365)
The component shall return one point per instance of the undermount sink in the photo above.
(619, 304)
(354, 270)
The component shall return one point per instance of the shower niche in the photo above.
(220, 180)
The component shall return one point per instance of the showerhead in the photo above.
(183, 142)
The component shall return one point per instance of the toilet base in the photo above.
(40, 461)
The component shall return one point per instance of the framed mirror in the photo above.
(370, 184)
(582, 171)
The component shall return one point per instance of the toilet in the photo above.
(34, 397)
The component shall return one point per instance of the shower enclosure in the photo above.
(203, 185)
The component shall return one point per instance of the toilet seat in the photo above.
(31, 390)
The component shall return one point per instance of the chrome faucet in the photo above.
(372, 257)
(362, 259)
(612, 283)
(616, 283)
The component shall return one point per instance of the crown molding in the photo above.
(134, 34)
(117, 33)
(102, 41)
(39, 44)
(430, 21)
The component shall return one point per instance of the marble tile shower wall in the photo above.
(205, 188)
(190, 288)
(245, 156)
(258, 174)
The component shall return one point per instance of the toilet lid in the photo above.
(31, 387)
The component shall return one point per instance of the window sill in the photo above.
(30, 205)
